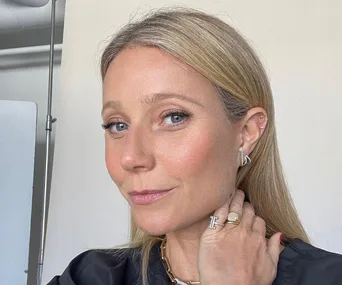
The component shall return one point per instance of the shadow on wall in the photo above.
(30, 37)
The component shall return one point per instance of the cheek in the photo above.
(203, 162)
(197, 152)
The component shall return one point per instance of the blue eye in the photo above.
(115, 127)
(175, 117)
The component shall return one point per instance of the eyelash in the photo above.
(107, 126)
(186, 115)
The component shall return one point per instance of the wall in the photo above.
(24, 77)
(300, 43)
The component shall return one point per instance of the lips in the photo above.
(144, 197)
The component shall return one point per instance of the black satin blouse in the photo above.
(299, 264)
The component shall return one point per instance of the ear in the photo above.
(253, 126)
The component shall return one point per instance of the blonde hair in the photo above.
(221, 54)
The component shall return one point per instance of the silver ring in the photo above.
(213, 222)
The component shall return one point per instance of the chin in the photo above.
(153, 231)
(153, 224)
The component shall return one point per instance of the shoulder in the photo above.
(98, 267)
(304, 264)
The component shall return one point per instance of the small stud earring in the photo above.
(261, 120)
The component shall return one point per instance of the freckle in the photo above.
(231, 194)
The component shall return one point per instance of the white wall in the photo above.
(24, 77)
(300, 43)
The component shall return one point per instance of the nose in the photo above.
(137, 154)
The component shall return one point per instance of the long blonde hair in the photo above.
(221, 54)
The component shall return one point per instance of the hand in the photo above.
(238, 254)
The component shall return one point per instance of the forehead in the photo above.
(139, 71)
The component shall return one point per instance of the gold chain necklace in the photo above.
(167, 267)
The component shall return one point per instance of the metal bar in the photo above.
(48, 128)
(28, 50)
(28, 57)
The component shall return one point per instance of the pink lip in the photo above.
(145, 197)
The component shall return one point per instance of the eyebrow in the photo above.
(111, 105)
(150, 99)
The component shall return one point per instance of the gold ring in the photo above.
(233, 218)
(234, 223)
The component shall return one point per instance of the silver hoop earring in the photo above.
(244, 159)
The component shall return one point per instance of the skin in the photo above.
(197, 155)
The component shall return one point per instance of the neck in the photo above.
(182, 250)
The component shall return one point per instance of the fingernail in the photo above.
(281, 237)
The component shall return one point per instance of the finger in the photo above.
(248, 216)
(219, 216)
(274, 247)
(259, 226)
(236, 205)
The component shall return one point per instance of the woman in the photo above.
(189, 120)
